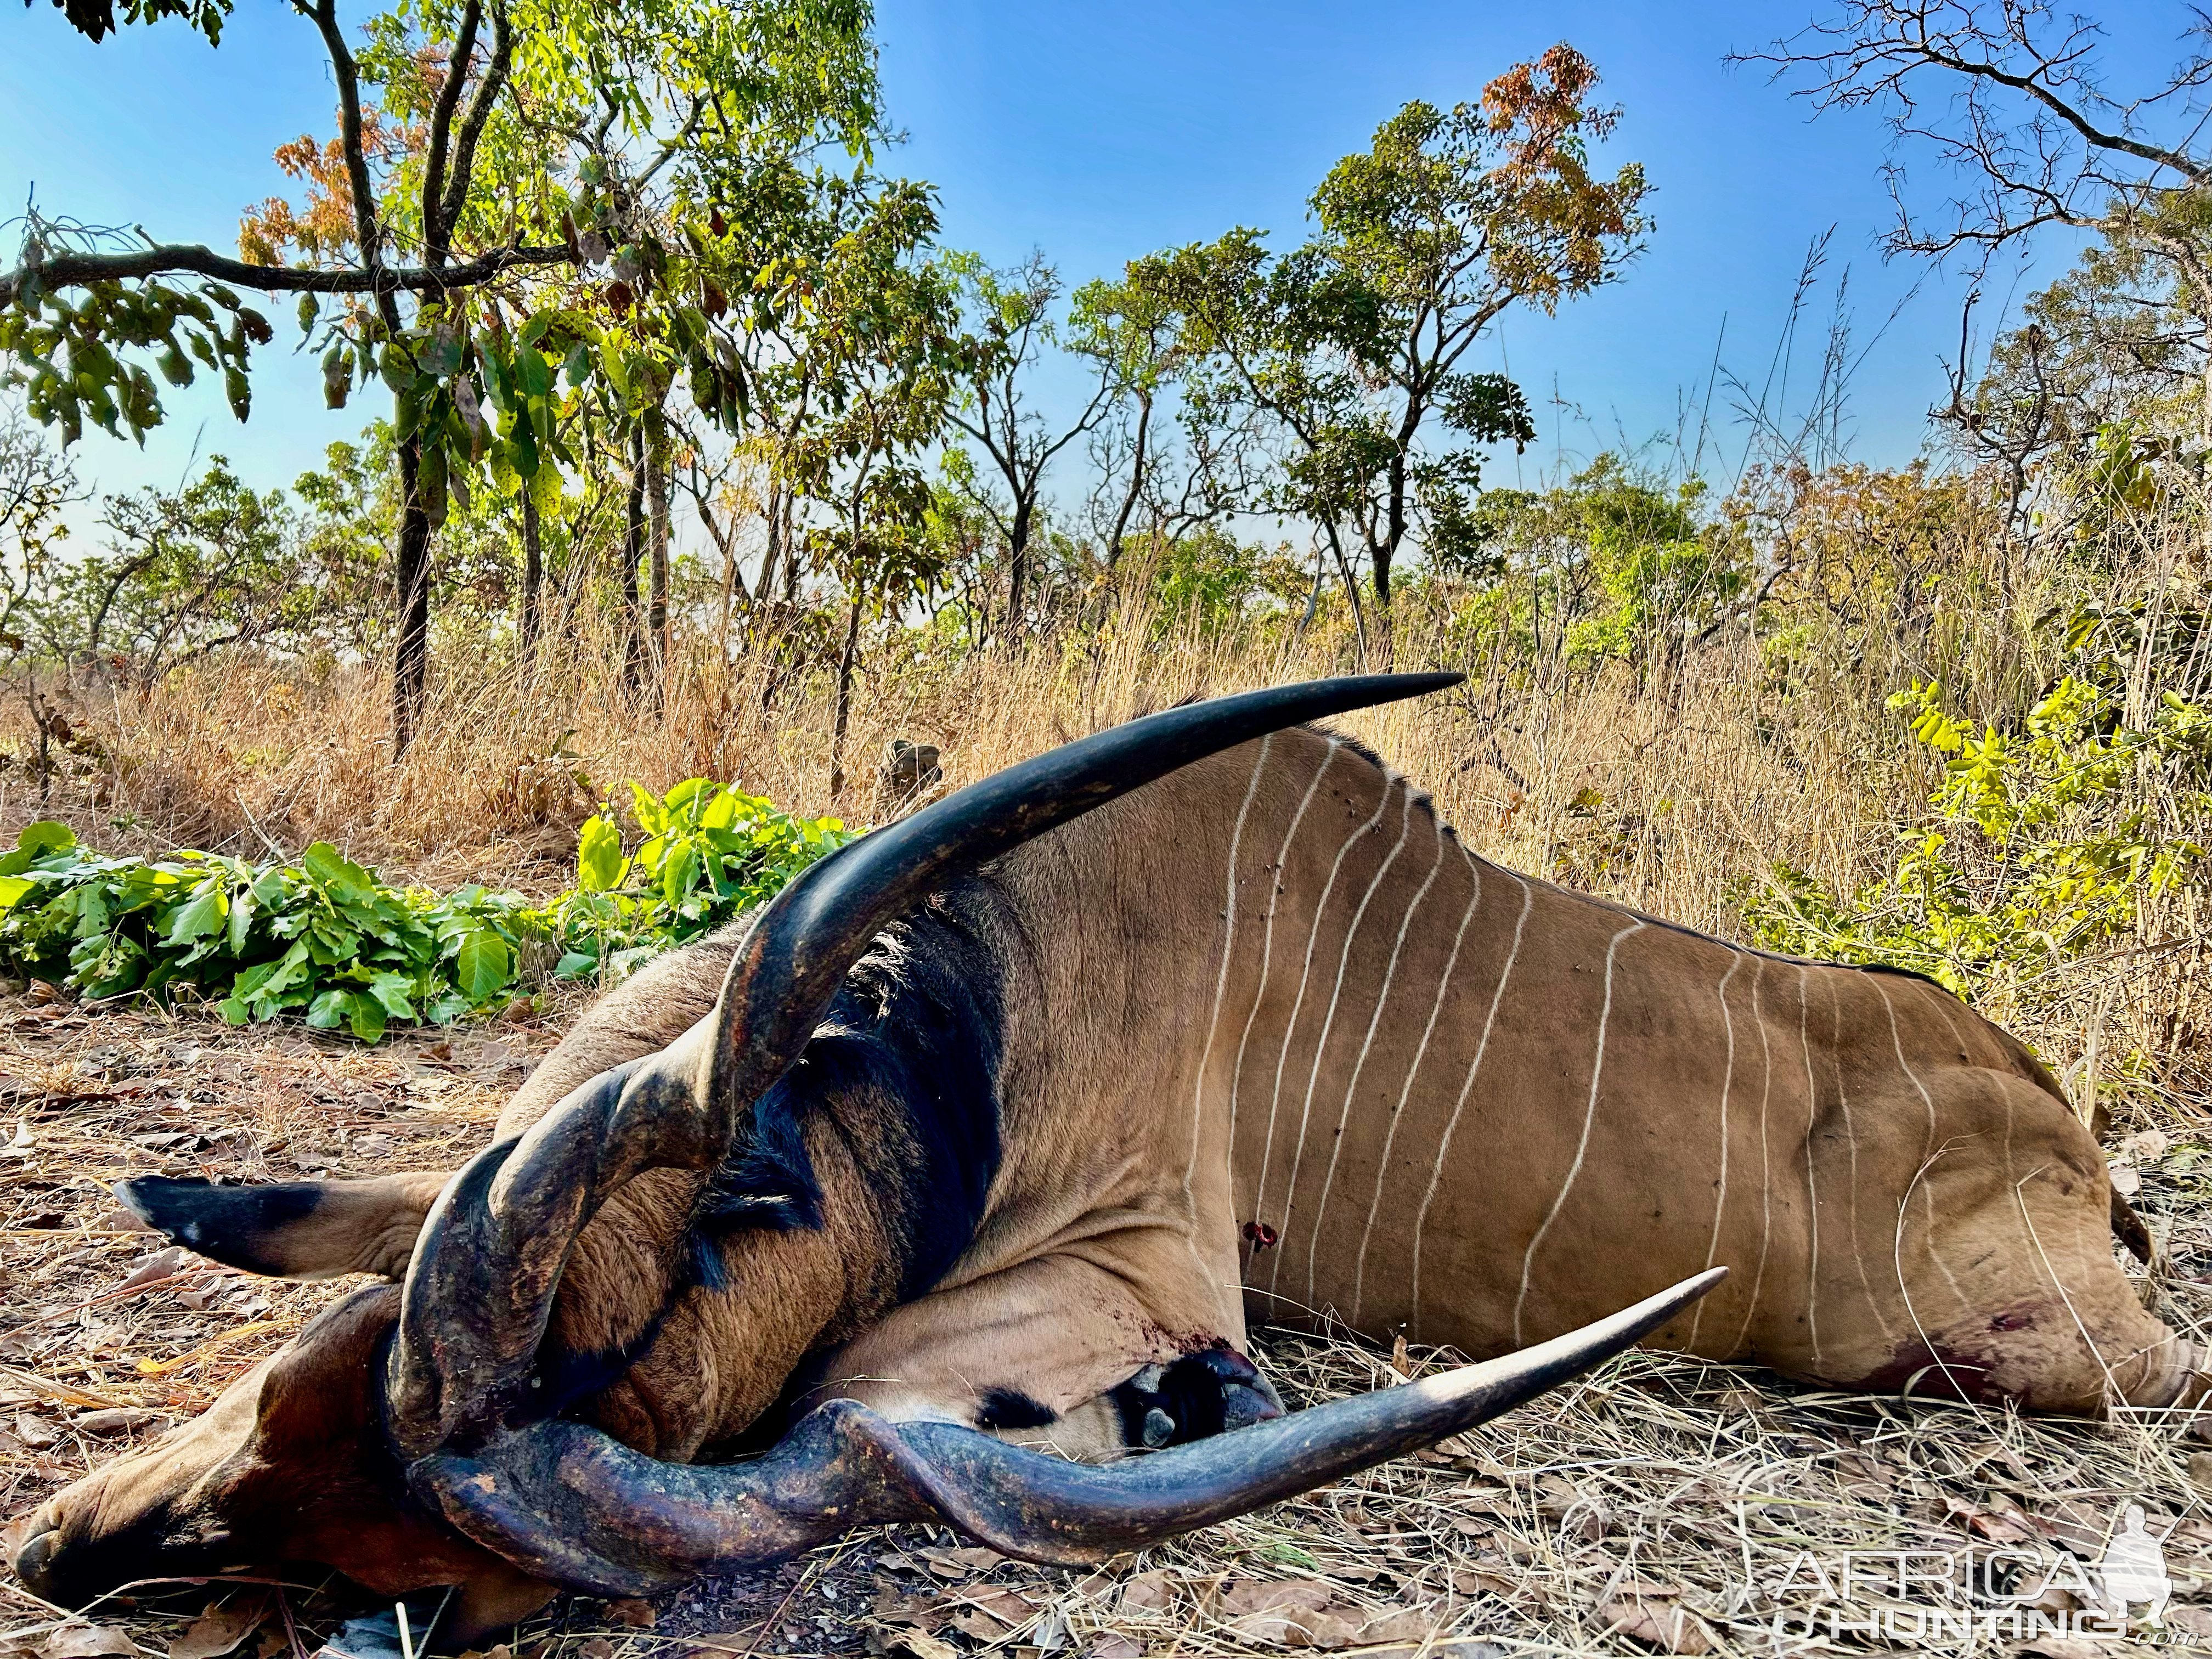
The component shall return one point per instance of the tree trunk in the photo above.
(845, 666)
(790, 551)
(1136, 482)
(1382, 642)
(1351, 592)
(773, 517)
(1018, 557)
(633, 552)
(411, 649)
(529, 624)
(656, 617)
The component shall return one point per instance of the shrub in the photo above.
(323, 938)
(2043, 844)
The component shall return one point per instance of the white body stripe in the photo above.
(1582, 1145)
(1720, 1186)
(1398, 1113)
(1366, 1043)
(1329, 1023)
(1298, 1002)
(1473, 1071)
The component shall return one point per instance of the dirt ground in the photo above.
(1663, 1504)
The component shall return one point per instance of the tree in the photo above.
(1137, 338)
(494, 153)
(1009, 321)
(1352, 344)
(37, 485)
(881, 347)
(2009, 97)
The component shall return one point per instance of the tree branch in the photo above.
(441, 123)
(2091, 135)
(472, 124)
(61, 270)
(369, 236)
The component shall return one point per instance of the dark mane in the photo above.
(918, 1031)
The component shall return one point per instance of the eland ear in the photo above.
(291, 1229)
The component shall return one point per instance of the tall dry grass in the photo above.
(1673, 792)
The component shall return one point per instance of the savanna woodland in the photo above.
(707, 509)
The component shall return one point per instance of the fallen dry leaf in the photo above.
(88, 1642)
(1473, 1581)
(118, 1419)
(1657, 1624)
(36, 1432)
(162, 1264)
(1149, 1591)
(988, 1614)
(1114, 1646)
(219, 1630)
(1407, 1625)
(596, 1647)
(15, 1535)
(1289, 1613)
(632, 1610)
(2002, 1523)
(927, 1647)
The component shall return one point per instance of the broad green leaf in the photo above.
(368, 1016)
(198, 917)
(391, 991)
(599, 862)
(45, 836)
(481, 964)
(680, 871)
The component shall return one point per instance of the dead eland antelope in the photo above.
(1001, 1119)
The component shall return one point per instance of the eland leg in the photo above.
(1980, 1263)
(1062, 1354)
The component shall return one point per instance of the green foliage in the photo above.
(708, 852)
(63, 348)
(2043, 845)
(325, 939)
(1346, 349)
(1212, 580)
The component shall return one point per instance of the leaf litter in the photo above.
(1633, 1512)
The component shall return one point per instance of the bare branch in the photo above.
(472, 124)
(61, 270)
(441, 121)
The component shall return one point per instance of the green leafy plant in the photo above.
(706, 852)
(2042, 844)
(325, 939)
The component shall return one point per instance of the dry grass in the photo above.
(1628, 1511)
(1674, 793)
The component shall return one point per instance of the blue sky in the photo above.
(1098, 133)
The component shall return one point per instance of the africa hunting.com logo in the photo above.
(1997, 1592)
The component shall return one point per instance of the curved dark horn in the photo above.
(481, 1287)
(565, 1502)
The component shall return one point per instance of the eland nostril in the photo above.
(33, 1560)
